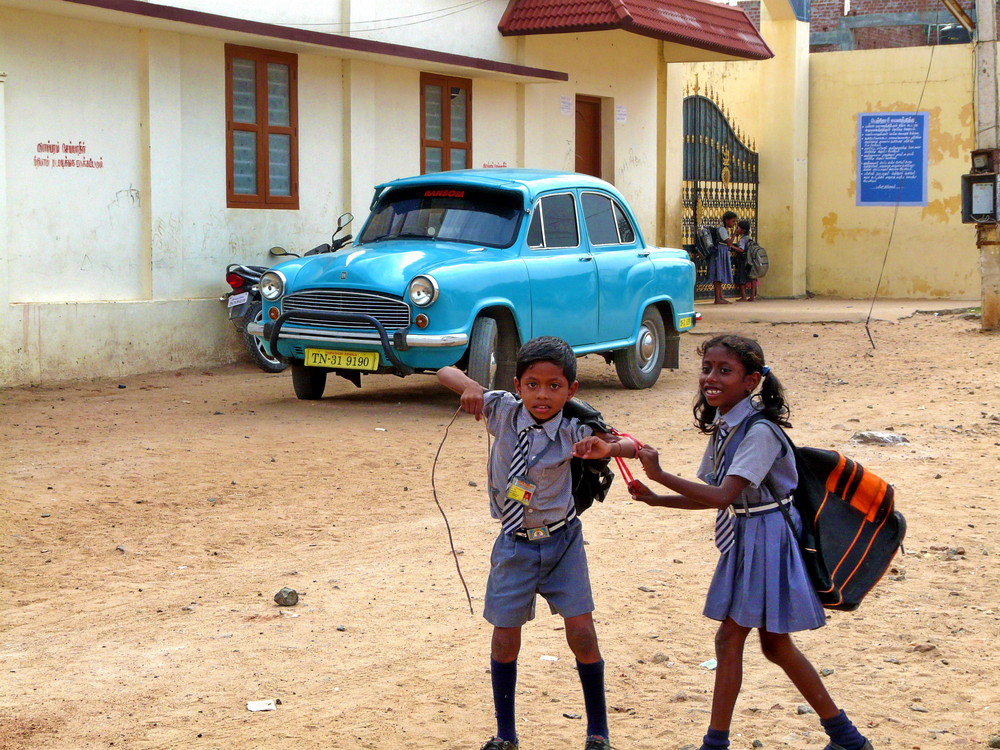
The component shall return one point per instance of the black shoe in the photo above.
(498, 744)
(835, 746)
(596, 742)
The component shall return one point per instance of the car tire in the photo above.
(492, 355)
(639, 365)
(308, 382)
(255, 345)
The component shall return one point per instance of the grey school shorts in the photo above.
(555, 567)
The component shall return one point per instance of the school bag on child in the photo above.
(591, 477)
(756, 259)
(851, 529)
(705, 242)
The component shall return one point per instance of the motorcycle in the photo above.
(243, 300)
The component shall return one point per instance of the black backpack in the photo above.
(591, 477)
(706, 241)
(850, 527)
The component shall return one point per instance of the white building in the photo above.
(145, 146)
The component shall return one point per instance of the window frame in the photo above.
(615, 209)
(538, 206)
(262, 198)
(445, 143)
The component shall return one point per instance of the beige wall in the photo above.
(843, 245)
(932, 253)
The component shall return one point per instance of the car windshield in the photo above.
(447, 213)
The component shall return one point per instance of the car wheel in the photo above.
(492, 354)
(639, 366)
(255, 345)
(309, 382)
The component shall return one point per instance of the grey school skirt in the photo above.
(761, 582)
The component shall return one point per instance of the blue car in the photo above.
(461, 268)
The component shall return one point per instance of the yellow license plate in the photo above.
(684, 322)
(342, 360)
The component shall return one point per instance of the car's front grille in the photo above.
(391, 312)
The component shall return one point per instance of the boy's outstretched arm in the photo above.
(470, 391)
(602, 445)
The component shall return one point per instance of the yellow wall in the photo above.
(932, 253)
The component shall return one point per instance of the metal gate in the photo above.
(720, 174)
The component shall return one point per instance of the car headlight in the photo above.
(423, 291)
(272, 285)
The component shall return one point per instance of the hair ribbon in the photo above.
(765, 371)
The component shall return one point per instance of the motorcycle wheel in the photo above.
(255, 346)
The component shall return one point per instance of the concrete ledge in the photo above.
(819, 310)
(46, 342)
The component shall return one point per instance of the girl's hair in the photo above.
(770, 400)
(728, 215)
(744, 224)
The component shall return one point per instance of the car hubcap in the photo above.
(645, 348)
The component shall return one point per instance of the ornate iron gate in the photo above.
(720, 174)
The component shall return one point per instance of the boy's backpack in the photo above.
(591, 477)
(756, 260)
(850, 527)
(705, 242)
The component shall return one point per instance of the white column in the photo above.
(4, 237)
(988, 235)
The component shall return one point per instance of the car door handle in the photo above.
(586, 258)
(644, 254)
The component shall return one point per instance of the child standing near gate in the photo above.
(540, 546)
(760, 581)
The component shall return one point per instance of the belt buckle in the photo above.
(536, 533)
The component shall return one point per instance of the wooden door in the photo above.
(588, 135)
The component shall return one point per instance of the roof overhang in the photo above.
(710, 30)
(141, 14)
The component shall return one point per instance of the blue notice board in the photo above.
(892, 159)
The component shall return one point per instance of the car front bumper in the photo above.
(400, 341)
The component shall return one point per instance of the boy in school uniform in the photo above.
(540, 546)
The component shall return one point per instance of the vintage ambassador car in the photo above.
(461, 268)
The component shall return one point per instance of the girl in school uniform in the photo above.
(760, 581)
(720, 265)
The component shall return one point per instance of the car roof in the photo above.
(529, 182)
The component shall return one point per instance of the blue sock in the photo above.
(592, 680)
(715, 739)
(503, 675)
(842, 731)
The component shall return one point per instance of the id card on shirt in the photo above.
(520, 490)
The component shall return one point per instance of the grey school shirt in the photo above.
(762, 452)
(553, 498)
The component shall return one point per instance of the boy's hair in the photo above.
(744, 224)
(727, 216)
(547, 349)
(771, 398)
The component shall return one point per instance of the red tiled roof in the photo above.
(695, 23)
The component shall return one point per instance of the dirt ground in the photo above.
(146, 524)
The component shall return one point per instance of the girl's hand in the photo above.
(472, 401)
(641, 492)
(650, 460)
(592, 447)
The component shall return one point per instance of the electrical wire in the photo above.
(372, 25)
(895, 211)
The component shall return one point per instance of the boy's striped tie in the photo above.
(513, 511)
(725, 529)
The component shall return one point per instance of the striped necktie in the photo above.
(513, 512)
(725, 529)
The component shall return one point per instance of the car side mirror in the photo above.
(344, 220)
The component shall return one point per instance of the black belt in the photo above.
(541, 532)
